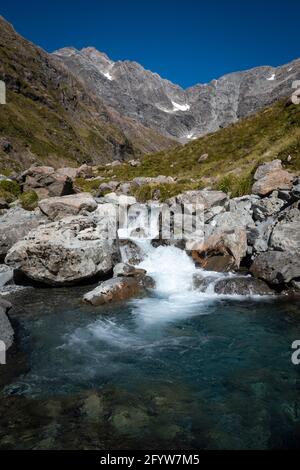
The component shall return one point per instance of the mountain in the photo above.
(51, 118)
(167, 108)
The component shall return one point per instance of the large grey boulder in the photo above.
(267, 207)
(15, 224)
(74, 204)
(6, 330)
(68, 251)
(276, 267)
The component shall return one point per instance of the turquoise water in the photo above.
(220, 368)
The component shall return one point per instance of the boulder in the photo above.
(130, 252)
(126, 270)
(120, 199)
(267, 207)
(67, 251)
(68, 171)
(113, 290)
(107, 188)
(271, 177)
(286, 233)
(6, 330)
(15, 224)
(276, 267)
(220, 263)
(85, 171)
(75, 204)
(205, 198)
(46, 182)
(242, 286)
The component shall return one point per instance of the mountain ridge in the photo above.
(183, 114)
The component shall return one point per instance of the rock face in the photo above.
(270, 177)
(184, 114)
(75, 204)
(67, 251)
(46, 182)
(113, 290)
(6, 330)
(15, 224)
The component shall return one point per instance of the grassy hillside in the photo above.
(229, 156)
(50, 117)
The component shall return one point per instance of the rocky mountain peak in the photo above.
(168, 108)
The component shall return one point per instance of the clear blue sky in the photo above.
(186, 41)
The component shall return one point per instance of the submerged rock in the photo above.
(67, 251)
(75, 204)
(242, 286)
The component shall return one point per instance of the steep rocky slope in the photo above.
(165, 107)
(51, 118)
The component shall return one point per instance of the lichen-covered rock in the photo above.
(126, 270)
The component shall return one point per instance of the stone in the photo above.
(15, 224)
(85, 171)
(120, 199)
(221, 263)
(270, 177)
(267, 207)
(46, 182)
(276, 267)
(6, 330)
(107, 188)
(203, 158)
(67, 251)
(6, 275)
(286, 233)
(68, 171)
(74, 204)
(296, 192)
(266, 168)
(6, 145)
(112, 290)
(242, 286)
(134, 163)
(126, 270)
(3, 204)
(130, 252)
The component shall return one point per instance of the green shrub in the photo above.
(29, 200)
(9, 190)
(236, 186)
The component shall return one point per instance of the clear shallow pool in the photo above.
(196, 371)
